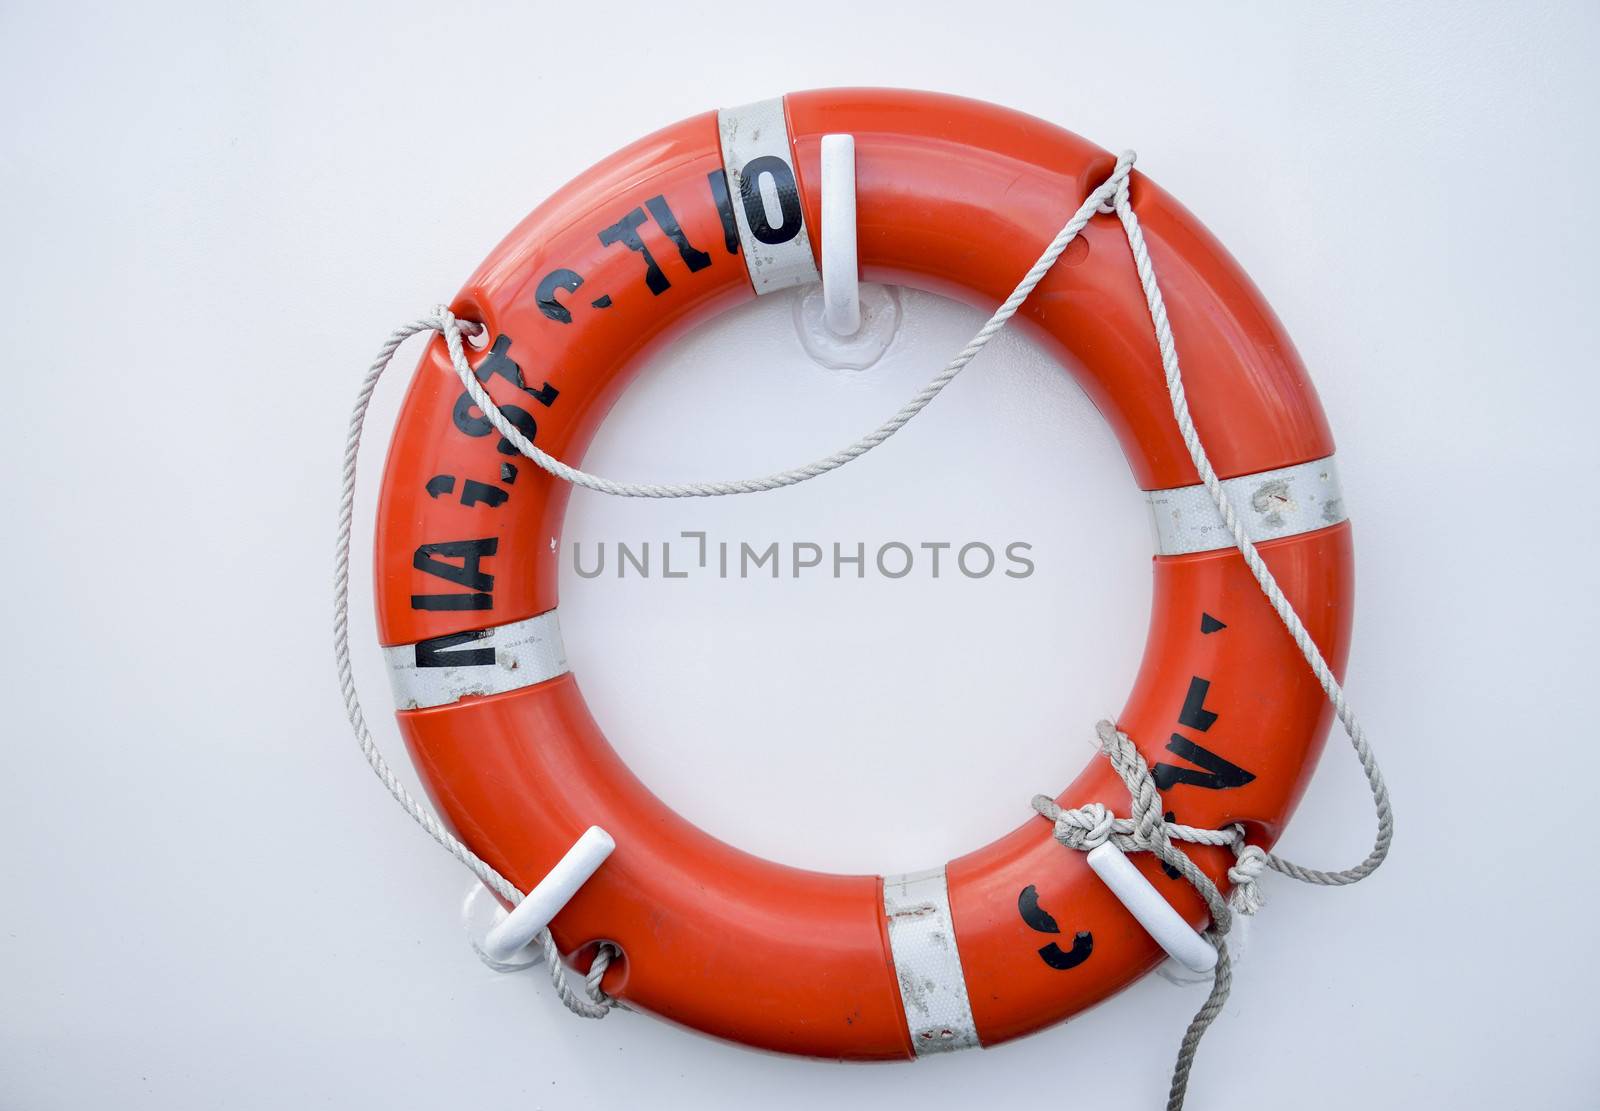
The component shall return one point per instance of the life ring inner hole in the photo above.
(846, 698)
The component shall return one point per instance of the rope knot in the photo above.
(1083, 828)
(1244, 874)
(1087, 827)
(1100, 823)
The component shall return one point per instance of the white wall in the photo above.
(211, 216)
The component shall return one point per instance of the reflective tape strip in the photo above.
(1272, 504)
(504, 658)
(922, 941)
(765, 194)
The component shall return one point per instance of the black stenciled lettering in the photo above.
(436, 651)
(1219, 774)
(1037, 918)
(718, 180)
(626, 232)
(1033, 914)
(694, 258)
(473, 423)
(499, 363)
(755, 209)
(434, 559)
(475, 493)
(1063, 959)
(1194, 713)
(545, 294)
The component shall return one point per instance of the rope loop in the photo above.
(1085, 827)
(452, 328)
(591, 1002)
(1100, 825)
(1115, 185)
(1248, 864)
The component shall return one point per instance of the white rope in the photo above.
(591, 1002)
(1092, 825)
(1008, 308)
(1080, 828)
(1123, 206)
(1147, 829)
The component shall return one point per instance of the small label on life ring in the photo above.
(764, 193)
(927, 964)
(1271, 504)
(446, 669)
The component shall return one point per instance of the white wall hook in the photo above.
(482, 912)
(1238, 952)
(841, 275)
(549, 895)
(1152, 910)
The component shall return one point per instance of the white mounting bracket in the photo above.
(841, 273)
(512, 932)
(1151, 909)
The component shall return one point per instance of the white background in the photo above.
(212, 215)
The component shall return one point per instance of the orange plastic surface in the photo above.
(957, 197)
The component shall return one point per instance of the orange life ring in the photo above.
(956, 197)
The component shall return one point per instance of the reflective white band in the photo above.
(447, 669)
(1272, 504)
(764, 191)
(922, 941)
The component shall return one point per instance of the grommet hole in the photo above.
(473, 319)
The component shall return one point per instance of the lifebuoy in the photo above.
(956, 197)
